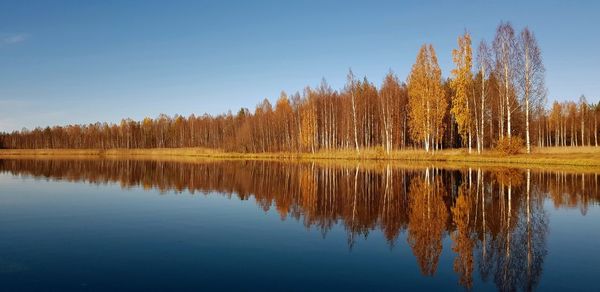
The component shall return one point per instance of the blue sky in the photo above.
(67, 62)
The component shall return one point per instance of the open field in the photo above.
(588, 157)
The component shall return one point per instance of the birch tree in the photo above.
(532, 78)
(505, 50)
(425, 95)
(583, 109)
(352, 89)
(389, 95)
(484, 62)
(461, 85)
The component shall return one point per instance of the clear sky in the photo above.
(77, 61)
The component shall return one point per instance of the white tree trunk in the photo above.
(354, 120)
(527, 85)
(482, 107)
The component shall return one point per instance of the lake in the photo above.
(103, 224)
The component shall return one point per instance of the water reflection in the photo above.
(495, 219)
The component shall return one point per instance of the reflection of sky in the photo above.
(91, 235)
(78, 62)
(573, 245)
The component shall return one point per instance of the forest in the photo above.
(494, 96)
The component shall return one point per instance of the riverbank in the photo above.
(588, 157)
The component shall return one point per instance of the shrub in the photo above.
(510, 146)
(380, 151)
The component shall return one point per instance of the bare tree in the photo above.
(484, 63)
(505, 48)
(532, 85)
(351, 89)
(389, 93)
(582, 113)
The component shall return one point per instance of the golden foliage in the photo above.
(462, 84)
(427, 103)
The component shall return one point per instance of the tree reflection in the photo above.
(463, 237)
(427, 220)
(495, 219)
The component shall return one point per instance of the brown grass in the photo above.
(588, 157)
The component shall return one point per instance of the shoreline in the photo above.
(580, 157)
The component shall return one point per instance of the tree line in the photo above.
(494, 95)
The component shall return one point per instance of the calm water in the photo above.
(143, 225)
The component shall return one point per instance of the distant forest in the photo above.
(498, 96)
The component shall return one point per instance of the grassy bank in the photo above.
(568, 156)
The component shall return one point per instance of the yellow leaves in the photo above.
(426, 96)
(283, 104)
(307, 125)
(462, 83)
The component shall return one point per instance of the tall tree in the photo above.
(583, 109)
(532, 78)
(596, 113)
(285, 122)
(484, 62)
(389, 96)
(308, 122)
(425, 96)
(462, 87)
(505, 49)
(352, 89)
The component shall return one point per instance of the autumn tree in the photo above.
(351, 87)
(426, 98)
(389, 97)
(484, 65)
(596, 113)
(462, 87)
(284, 122)
(308, 122)
(583, 112)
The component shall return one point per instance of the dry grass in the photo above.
(587, 157)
